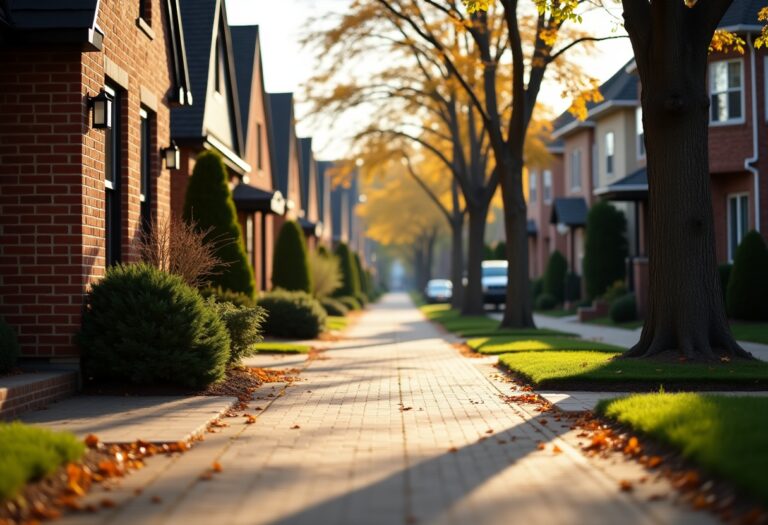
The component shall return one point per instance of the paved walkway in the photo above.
(616, 336)
(394, 427)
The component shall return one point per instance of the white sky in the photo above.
(287, 66)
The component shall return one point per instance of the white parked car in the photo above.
(494, 280)
(439, 291)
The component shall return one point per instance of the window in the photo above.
(145, 10)
(640, 132)
(112, 208)
(575, 170)
(726, 89)
(547, 176)
(609, 153)
(738, 221)
(258, 146)
(249, 239)
(532, 193)
(145, 191)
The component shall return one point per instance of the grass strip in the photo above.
(29, 453)
(270, 347)
(723, 434)
(505, 344)
(336, 322)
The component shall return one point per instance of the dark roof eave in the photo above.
(88, 39)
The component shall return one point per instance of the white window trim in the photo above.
(736, 196)
(547, 200)
(143, 115)
(570, 172)
(735, 121)
(533, 186)
(108, 183)
(639, 145)
(610, 174)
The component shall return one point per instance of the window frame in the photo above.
(736, 197)
(546, 192)
(741, 89)
(610, 156)
(113, 206)
(146, 118)
(575, 163)
(533, 186)
(639, 133)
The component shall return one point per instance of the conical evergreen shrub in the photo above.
(290, 262)
(209, 203)
(554, 276)
(500, 251)
(605, 249)
(350, 285)
(361, 277)
(748, 283)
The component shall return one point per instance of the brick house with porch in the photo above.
(73, 195)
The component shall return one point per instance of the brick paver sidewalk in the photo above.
(395, 427)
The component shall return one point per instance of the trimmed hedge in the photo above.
(209, 204)
(333, 306)
(350, 284)
(748, 283)
(605, 249)
(149, 327)
(244, 326)
(500, 251)
(220, 295)
(290, 266)
(554, 276)
(9, 347)
(292, 314)
(624, 309)
(545, 301)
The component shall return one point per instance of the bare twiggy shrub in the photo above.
(180, 248)
(326, 274)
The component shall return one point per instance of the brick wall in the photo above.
(33, 391)
(52, 170)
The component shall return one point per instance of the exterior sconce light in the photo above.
(101, 110)
(172, 156)
(562, 229)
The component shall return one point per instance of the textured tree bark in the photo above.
(518, 312)
(473, 296)
(686, 318)
(457, 260)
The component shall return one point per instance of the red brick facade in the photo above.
(52, 165)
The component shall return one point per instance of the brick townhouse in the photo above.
(86, 92)
(603, 157)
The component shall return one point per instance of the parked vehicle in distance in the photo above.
(438, 291)
(494, 281)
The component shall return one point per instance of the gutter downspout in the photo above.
(749, 162)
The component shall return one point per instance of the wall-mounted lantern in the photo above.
(172, 156)
(101, 109)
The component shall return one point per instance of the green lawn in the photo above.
(336, 322)
(271, 347)
(30, 453)
(725, 435)
(598, 369)
(499, 332)
(755, 332)
(607, 321)
(502, 345)
(556, 313)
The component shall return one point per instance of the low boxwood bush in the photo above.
(624, 309)
(545, 301)
(350, 302)
(222, 295)
(333, 306)
(149, 327)
(748, 283)
(617, 290)
(9, 347)
(244, 325)
(554, 276)
(292, 314)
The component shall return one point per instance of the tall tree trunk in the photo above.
(518, 311)
(686, 317)
(457, 260)
(429, 257)
(473, 294)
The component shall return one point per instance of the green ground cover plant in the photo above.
(336, 322)
(272, 347)
(503, 345)
(723, 434)
(599, 370)
(30, 453)
(559, 312)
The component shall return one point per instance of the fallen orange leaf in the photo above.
(216, 466)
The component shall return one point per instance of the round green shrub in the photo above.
(615, 291)
(290, 261)
(209, 204)
(149, 327)
(488, 253)
(748, 283)
(350, 302)
(9, 347)
(220, 295)
(537, 287)
(624, 309)
(350, 284)
(545, 301)
(292, 314)
(554, 276)
(605, 248)
(500, 251)
(244, 326)
(333, 306)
